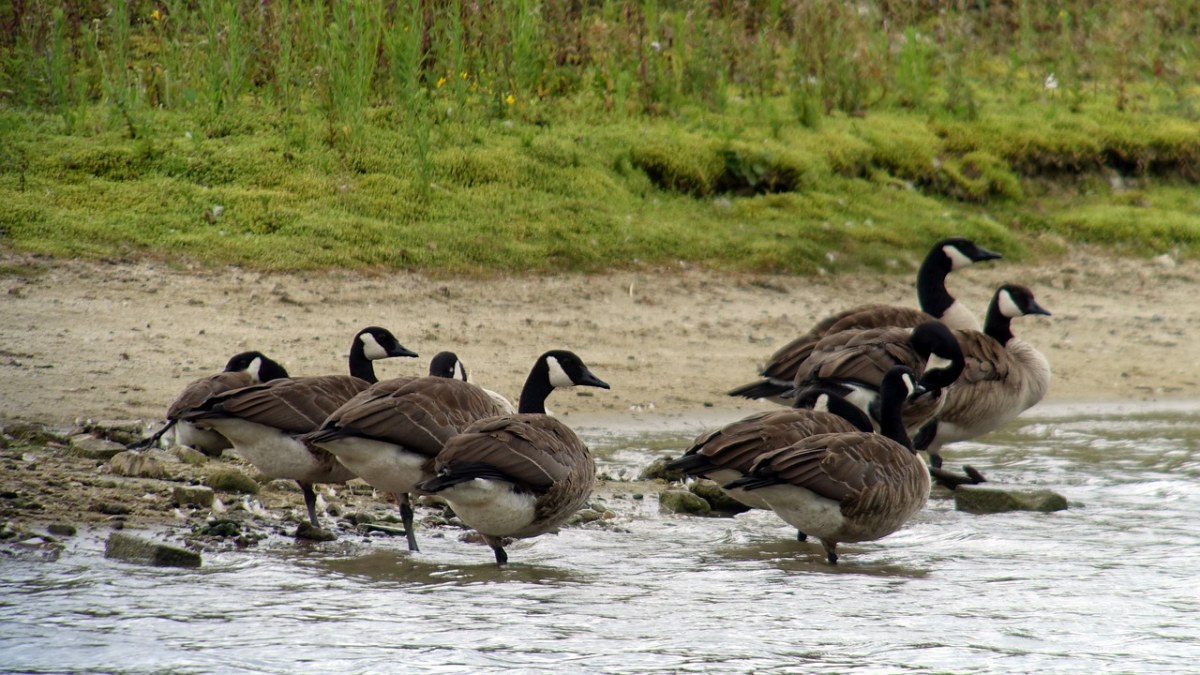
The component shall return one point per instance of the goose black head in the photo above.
(961, 252)
(566, 369)
(446, 364)
(944, 360)
(1013, 301)
(257, 365)
(379, 343)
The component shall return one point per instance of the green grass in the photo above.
(477, 138)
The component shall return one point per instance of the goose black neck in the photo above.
(360, 365)
(996, 324)
(891, 424)
(537, 388)
(932, 295)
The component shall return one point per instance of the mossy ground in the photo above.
(736, 192)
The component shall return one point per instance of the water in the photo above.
(1107, 586)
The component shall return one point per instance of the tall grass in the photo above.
(496, 58)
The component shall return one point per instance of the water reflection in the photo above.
(1107, 585)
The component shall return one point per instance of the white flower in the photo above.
(1051, 82)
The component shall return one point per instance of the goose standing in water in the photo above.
(242, 370)
(1004, 376)
(263, 421)
(518, 476)
(936, 303)
(389, 434)
(848, 486)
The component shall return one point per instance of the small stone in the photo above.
(658, 470)
(188, 455)
(221, 527)
(29, 432)
(283, 485)
(137, 465)
(682, 501)
(583, 516)
(716, 497)
(131, 548)
(62, 529)
(385, 529)
(979, 499)
(90, 447)
(194, 495)
(308, 531)
(232, 480)
(111, 509)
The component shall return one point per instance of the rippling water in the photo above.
(1109, 585)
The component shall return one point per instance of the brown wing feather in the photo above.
(739, 444)
(862, 355)
(986, 359)
(535, 451)
(296, 405)
(197, 392)
(842, 467)
(787, 360)
(420, 414)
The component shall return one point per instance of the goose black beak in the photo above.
(587, 379)
(401, 350)
(1035, 308)
(982, 254)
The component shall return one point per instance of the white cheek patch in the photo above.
(255, 368)
(822, 403)
(958, 259)
(558, 376)
(1008, 306)
(371, 347)
(908, 384)
(936, 362)
(460, 373)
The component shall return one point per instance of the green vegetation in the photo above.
(444, 136)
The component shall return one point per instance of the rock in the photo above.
(283, 485)
(131, 548)
(220, 527)
(110, 509)
(360, 518)
(386, 529)
(583, 516)
(137, 465)
(716, 497)
(658, 470)
(90, 447)
(682, 501)
(121, 431)
(308, 531)
(232, 480)
(188, 455)
(29, 432)
(979, 499)
(194, 495)
(62, 529)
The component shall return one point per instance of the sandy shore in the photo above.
(104, 341)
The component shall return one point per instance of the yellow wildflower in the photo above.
(156, 16)
(511, 99)
(441, 81)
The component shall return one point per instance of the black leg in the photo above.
(830, 551)
(406, 516)
(310, 501)
(935, 460)
(497, 544)
(800, 536)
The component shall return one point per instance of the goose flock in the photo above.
(865, 392)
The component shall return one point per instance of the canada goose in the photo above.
(726, 454)
(853, 363)
(1004, 376)
(936, 303)
(519, 475)
(848, 486)
(242, 370)
(389, 433)
(263, 421)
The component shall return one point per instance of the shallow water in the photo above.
(1109, 585)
